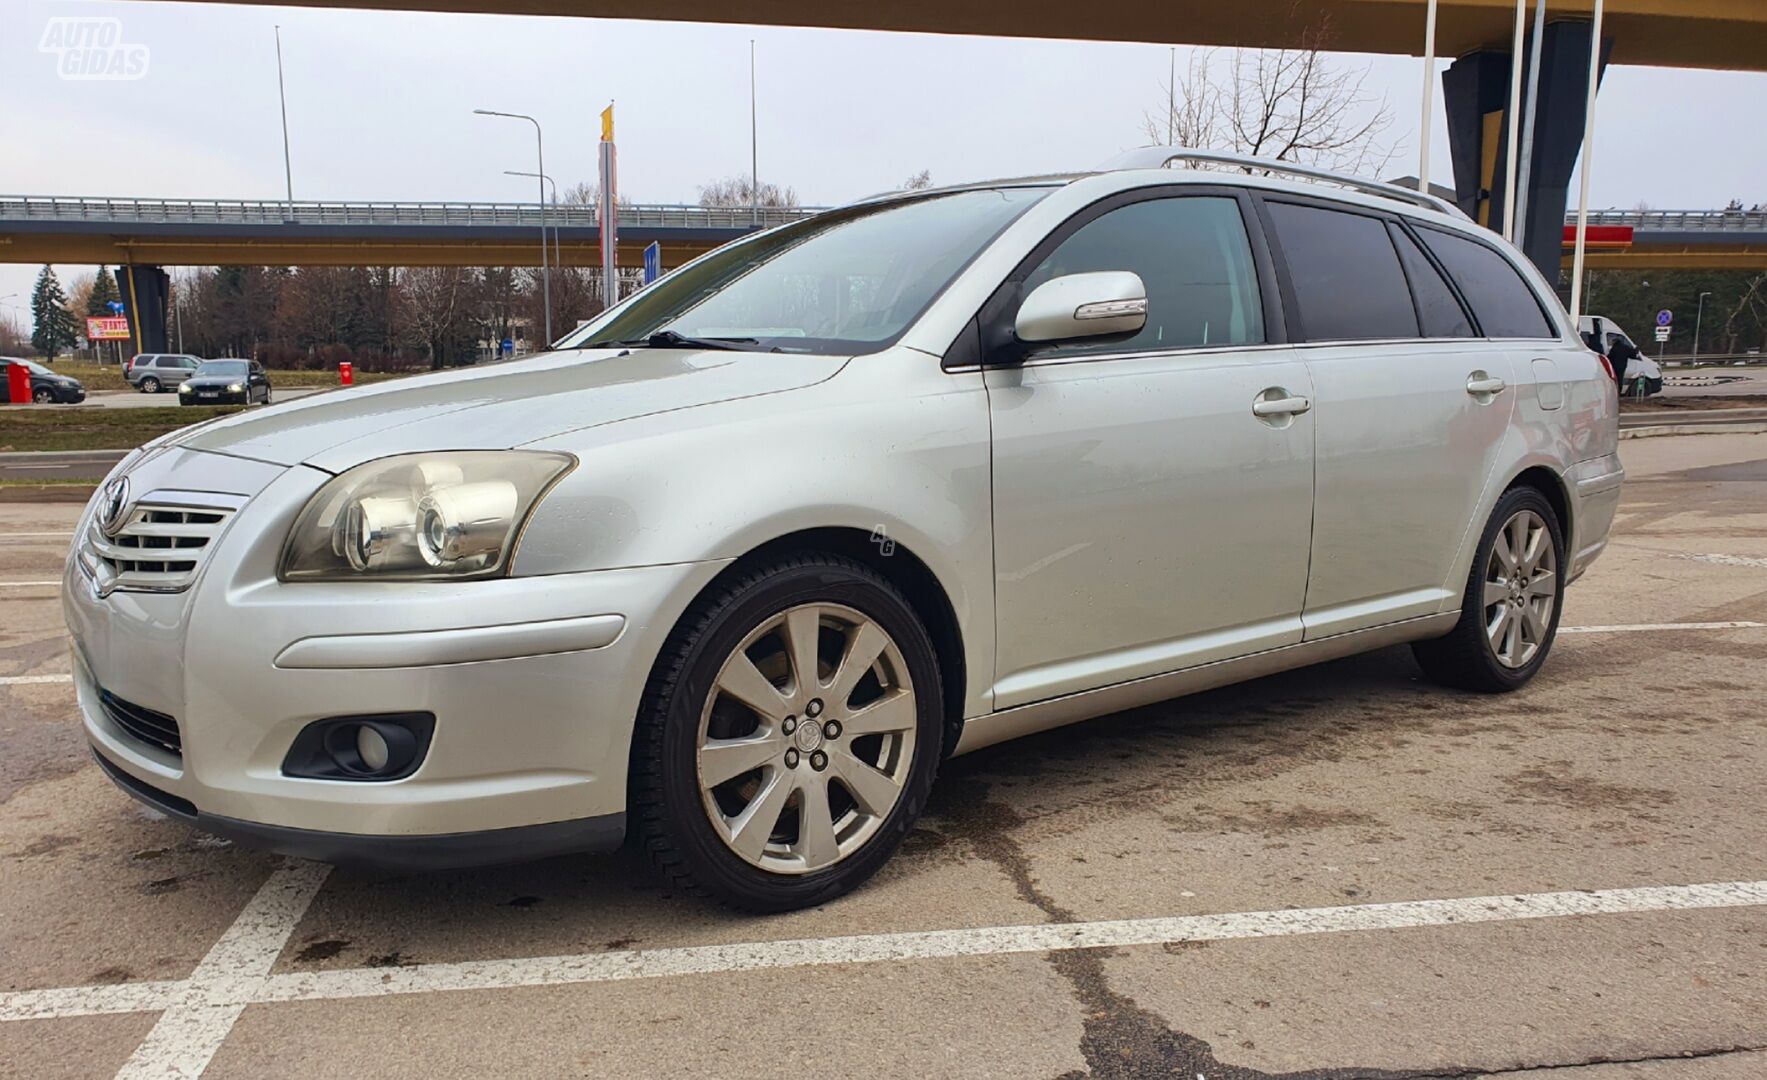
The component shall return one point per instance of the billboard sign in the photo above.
(107, 329)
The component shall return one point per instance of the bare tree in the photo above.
(434, 308)
(920, 181)
(1285, 104)
(741, 191)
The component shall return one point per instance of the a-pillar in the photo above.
(145, 290)
(1476, 92)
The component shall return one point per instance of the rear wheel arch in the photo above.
(1549, 484)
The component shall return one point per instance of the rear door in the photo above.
(1146, 518)
(1411, 410)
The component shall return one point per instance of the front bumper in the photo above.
(219, 398)
(534, 684)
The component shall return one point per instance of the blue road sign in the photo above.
(506, 347)
(116, 306)
(1665, 317)
(653, 262)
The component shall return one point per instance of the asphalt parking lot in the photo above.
(1337, 872)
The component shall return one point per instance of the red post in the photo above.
(18, 384)
(346, 373)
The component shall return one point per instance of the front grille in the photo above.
(153, 728)
(157, 549)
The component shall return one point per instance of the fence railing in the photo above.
(1679, 220)
(278, 212)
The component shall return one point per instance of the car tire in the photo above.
(836, 786)
(1508, 618)
(266, 395)
(150, 385)
(43, 395)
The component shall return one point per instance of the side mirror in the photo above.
(1098, 304)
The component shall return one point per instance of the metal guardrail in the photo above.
(278, 212)
(1679, 220)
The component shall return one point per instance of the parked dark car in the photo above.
(152, 372)
(226, 382)
(46, 385)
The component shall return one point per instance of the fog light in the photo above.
(389, 746)
(371, 747)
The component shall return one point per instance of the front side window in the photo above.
(1193, 257)
(1504, 304)
(848, 281)
(1345, 274)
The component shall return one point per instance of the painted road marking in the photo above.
(27, 584)
(202, 1011)
(1722, 560)
(236, 972)
(33, 680)
(21, 467)
(17, 535)
(1636, 628)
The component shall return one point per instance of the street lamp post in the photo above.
(557, 242)
(1698, 317)
(540, 155)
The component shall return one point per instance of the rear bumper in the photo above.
(442, 851)
(1595, 496)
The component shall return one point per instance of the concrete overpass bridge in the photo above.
(218, 232)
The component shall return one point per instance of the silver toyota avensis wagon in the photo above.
(736, 566)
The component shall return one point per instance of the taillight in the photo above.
(1607, 366)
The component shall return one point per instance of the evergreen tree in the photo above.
(104, 293)
(55, 330)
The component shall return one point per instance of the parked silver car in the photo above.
(735, 567)
(151, 373)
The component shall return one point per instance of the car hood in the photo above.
(213, 380)
(499, 406)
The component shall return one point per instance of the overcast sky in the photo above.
(380, 107)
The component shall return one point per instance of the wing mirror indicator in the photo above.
(1102, 303)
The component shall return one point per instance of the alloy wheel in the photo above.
(807, 738)
(1521, 587)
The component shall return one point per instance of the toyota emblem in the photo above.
(116, 500)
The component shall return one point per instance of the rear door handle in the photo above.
(1286, 406)
(1480, 383)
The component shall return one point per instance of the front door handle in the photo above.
(1479, 383)
(1281, 406)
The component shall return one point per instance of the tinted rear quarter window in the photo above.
(1503, 303)
(1346, 277)
(1439, 313)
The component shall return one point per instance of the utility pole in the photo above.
(1698, 317)
(540, 154)
(282, 93)
(1582, 246)
(754, 147)
(1172, 101)
(1515, 120)
(1429, 99)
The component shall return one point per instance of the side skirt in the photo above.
(1042, 715)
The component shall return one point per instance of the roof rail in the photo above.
(1158, 157)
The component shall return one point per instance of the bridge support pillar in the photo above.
(145, 290)
(1476, 91)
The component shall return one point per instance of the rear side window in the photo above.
(1346, 276)
(1194, 258)
(1438, 312)
(1504, 304)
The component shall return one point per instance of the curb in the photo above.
(1759, 428)
(47, 493)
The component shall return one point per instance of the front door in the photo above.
(1152, 497)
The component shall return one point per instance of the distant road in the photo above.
(134, 399)
(59, 465)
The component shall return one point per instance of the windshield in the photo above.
(34, 367)
(221, 369)
(848, 281)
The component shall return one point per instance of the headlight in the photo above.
(184, 388)
(441, 515)
(235, 388)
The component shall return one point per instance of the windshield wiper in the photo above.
(669, 339)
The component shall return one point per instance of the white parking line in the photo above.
(1636, 628)
(27, 584)
(236, 973)
(206, 1005)
(1721, 560)
(33, 680)
(18, 535)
